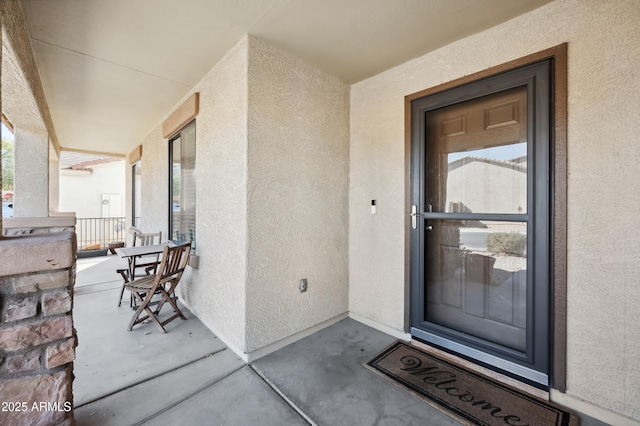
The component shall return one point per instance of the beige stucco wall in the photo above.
(31, 181)
(31, 178)
(603, 199)
(297, 205)
(25, 105)
(215, 291)
(154, 209)
(54, 179)
(272, 139)
(81, 192)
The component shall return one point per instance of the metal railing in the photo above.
(98, 232)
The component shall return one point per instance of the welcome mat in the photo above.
(469, 397)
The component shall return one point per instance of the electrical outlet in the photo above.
(302, 285)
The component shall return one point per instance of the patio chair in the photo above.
(149, 263)
(164, 283)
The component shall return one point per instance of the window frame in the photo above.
(170, 146)
(134, 193)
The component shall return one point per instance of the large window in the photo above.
(7, 168)
(136, 193)
(182, 185)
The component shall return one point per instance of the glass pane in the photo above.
(477, 282)
(176, 186)
(183, 203)
(188, 182)
(8, 160)
(477, 155)
(137, 193)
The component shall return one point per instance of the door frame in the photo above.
(558, 192)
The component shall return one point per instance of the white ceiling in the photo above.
(111, 69)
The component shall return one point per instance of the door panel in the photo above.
(480, 227)
(473, 289)
(483, 167)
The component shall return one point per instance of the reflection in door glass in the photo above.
(478, 282)
(476, 155)
(492, 180)
(136, 193)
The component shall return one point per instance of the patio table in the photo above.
(133, 253)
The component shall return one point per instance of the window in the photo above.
(182, 185)
(7, 168)
(136, 193)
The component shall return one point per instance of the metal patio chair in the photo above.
(164, 283)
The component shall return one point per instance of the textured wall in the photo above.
(18, 103)
(604, 245)
(215, 291)
(54, 180)
(16, 34)
(82, 193)
(21, 107)
(31, 179)
(272, 141)
(155, 164)
(297, 207)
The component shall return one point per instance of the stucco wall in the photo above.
(25, 105)
(272, 139)
(82, 193)
(603, 201)
(155, 161)
(297, 206)
(215, 291)
(31, 168)
(54, 180)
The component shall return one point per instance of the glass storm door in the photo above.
(480, 246)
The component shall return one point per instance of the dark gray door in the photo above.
(480, 237)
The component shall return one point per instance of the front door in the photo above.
(480, 235)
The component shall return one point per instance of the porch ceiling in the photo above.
(112, 69)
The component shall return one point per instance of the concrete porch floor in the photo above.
(189, 377)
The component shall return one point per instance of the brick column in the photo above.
(37, 337)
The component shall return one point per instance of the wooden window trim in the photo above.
(182, 116)
(8, 123)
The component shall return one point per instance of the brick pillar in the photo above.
(37, 337)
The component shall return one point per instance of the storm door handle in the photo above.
(414, 217)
